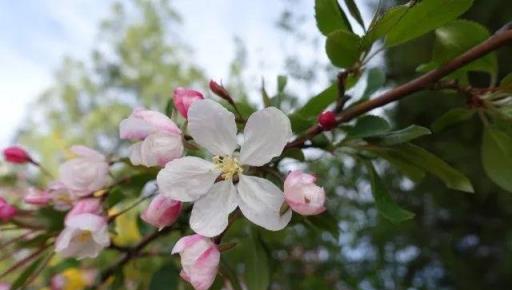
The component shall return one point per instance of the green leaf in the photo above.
(354, 11)
(497, 157)
(404, 23)
(169, 108)
(325, 222)
(267, 101)
(229, 273)
(410, 170)
(403, 136)
(506, 84)
(383, 201)
(281, 83)
(420, 157)
(374, 81)
(294, 153)
(329, 16)
(306, 116)
(257, 274)
(32, 269)
(368, 126)
(343, 48)
(451, 118)
(166, 278)
(457, 37)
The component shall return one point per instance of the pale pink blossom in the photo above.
(162, 211)
(35, 196)
(86, 205)
(17, 155)
(143, 123)
(184, 98)
(86, 173)
(5, 286)
(192, 179)
(7, 211)
(199, 260)
(160, 140)
(61, 197)
(302, 194)
(84, 236)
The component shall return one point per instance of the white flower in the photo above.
(193, 179)
(84, 235)
(85, 174)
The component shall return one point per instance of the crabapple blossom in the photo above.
(84, 235)
(7, 211)
(160, 140)
(17, 155)
(192, 179)
(86, 205)
(5, 286)
(61, 197)
(162, 211)
(183, 99)
(199, 260)
(35, 196)
(86, 173)
(302, 194)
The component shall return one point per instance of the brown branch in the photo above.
(502, 37)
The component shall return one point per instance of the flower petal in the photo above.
(260, 201)
(213, 127)
(265, 135)
(187, 178)
(210, 213)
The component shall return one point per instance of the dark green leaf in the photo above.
(418, 156)
(457, 37)
(267, 102)
(497, 157)
(374, 81)
(329, 16)
(306, 116)
(294, 153)
(354, 11)
(383, 201)
(404, 23)
(169, 107)
(257, 274)
(325, 222)
(343, 48)
(166, 278)
(410, 170)
(229, 274)
(402, 136)
(368, 126)
(451, 118)
(506, 84)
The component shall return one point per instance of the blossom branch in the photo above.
(499, 39)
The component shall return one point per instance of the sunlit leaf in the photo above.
(329, 16)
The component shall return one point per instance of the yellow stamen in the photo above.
(228, 165)
(84, 236)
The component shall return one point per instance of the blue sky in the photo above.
(36, 34)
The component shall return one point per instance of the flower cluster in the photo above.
(228, 178)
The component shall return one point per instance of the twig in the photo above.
(502, 37)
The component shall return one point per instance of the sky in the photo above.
(36, 34)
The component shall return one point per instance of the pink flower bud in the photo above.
(35, 196)
(219, 90)
(86, 205)
(7, 211)
(302, 194)
(162, 211)
(5, 286)
(183, 99)
(327, 120)
(142, 123)
(17, 155)
(199, 259)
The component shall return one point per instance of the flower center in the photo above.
(84, 236)
(228, 165)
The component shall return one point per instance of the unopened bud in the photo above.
(220, 91)
(327, 120)
(17, 155)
